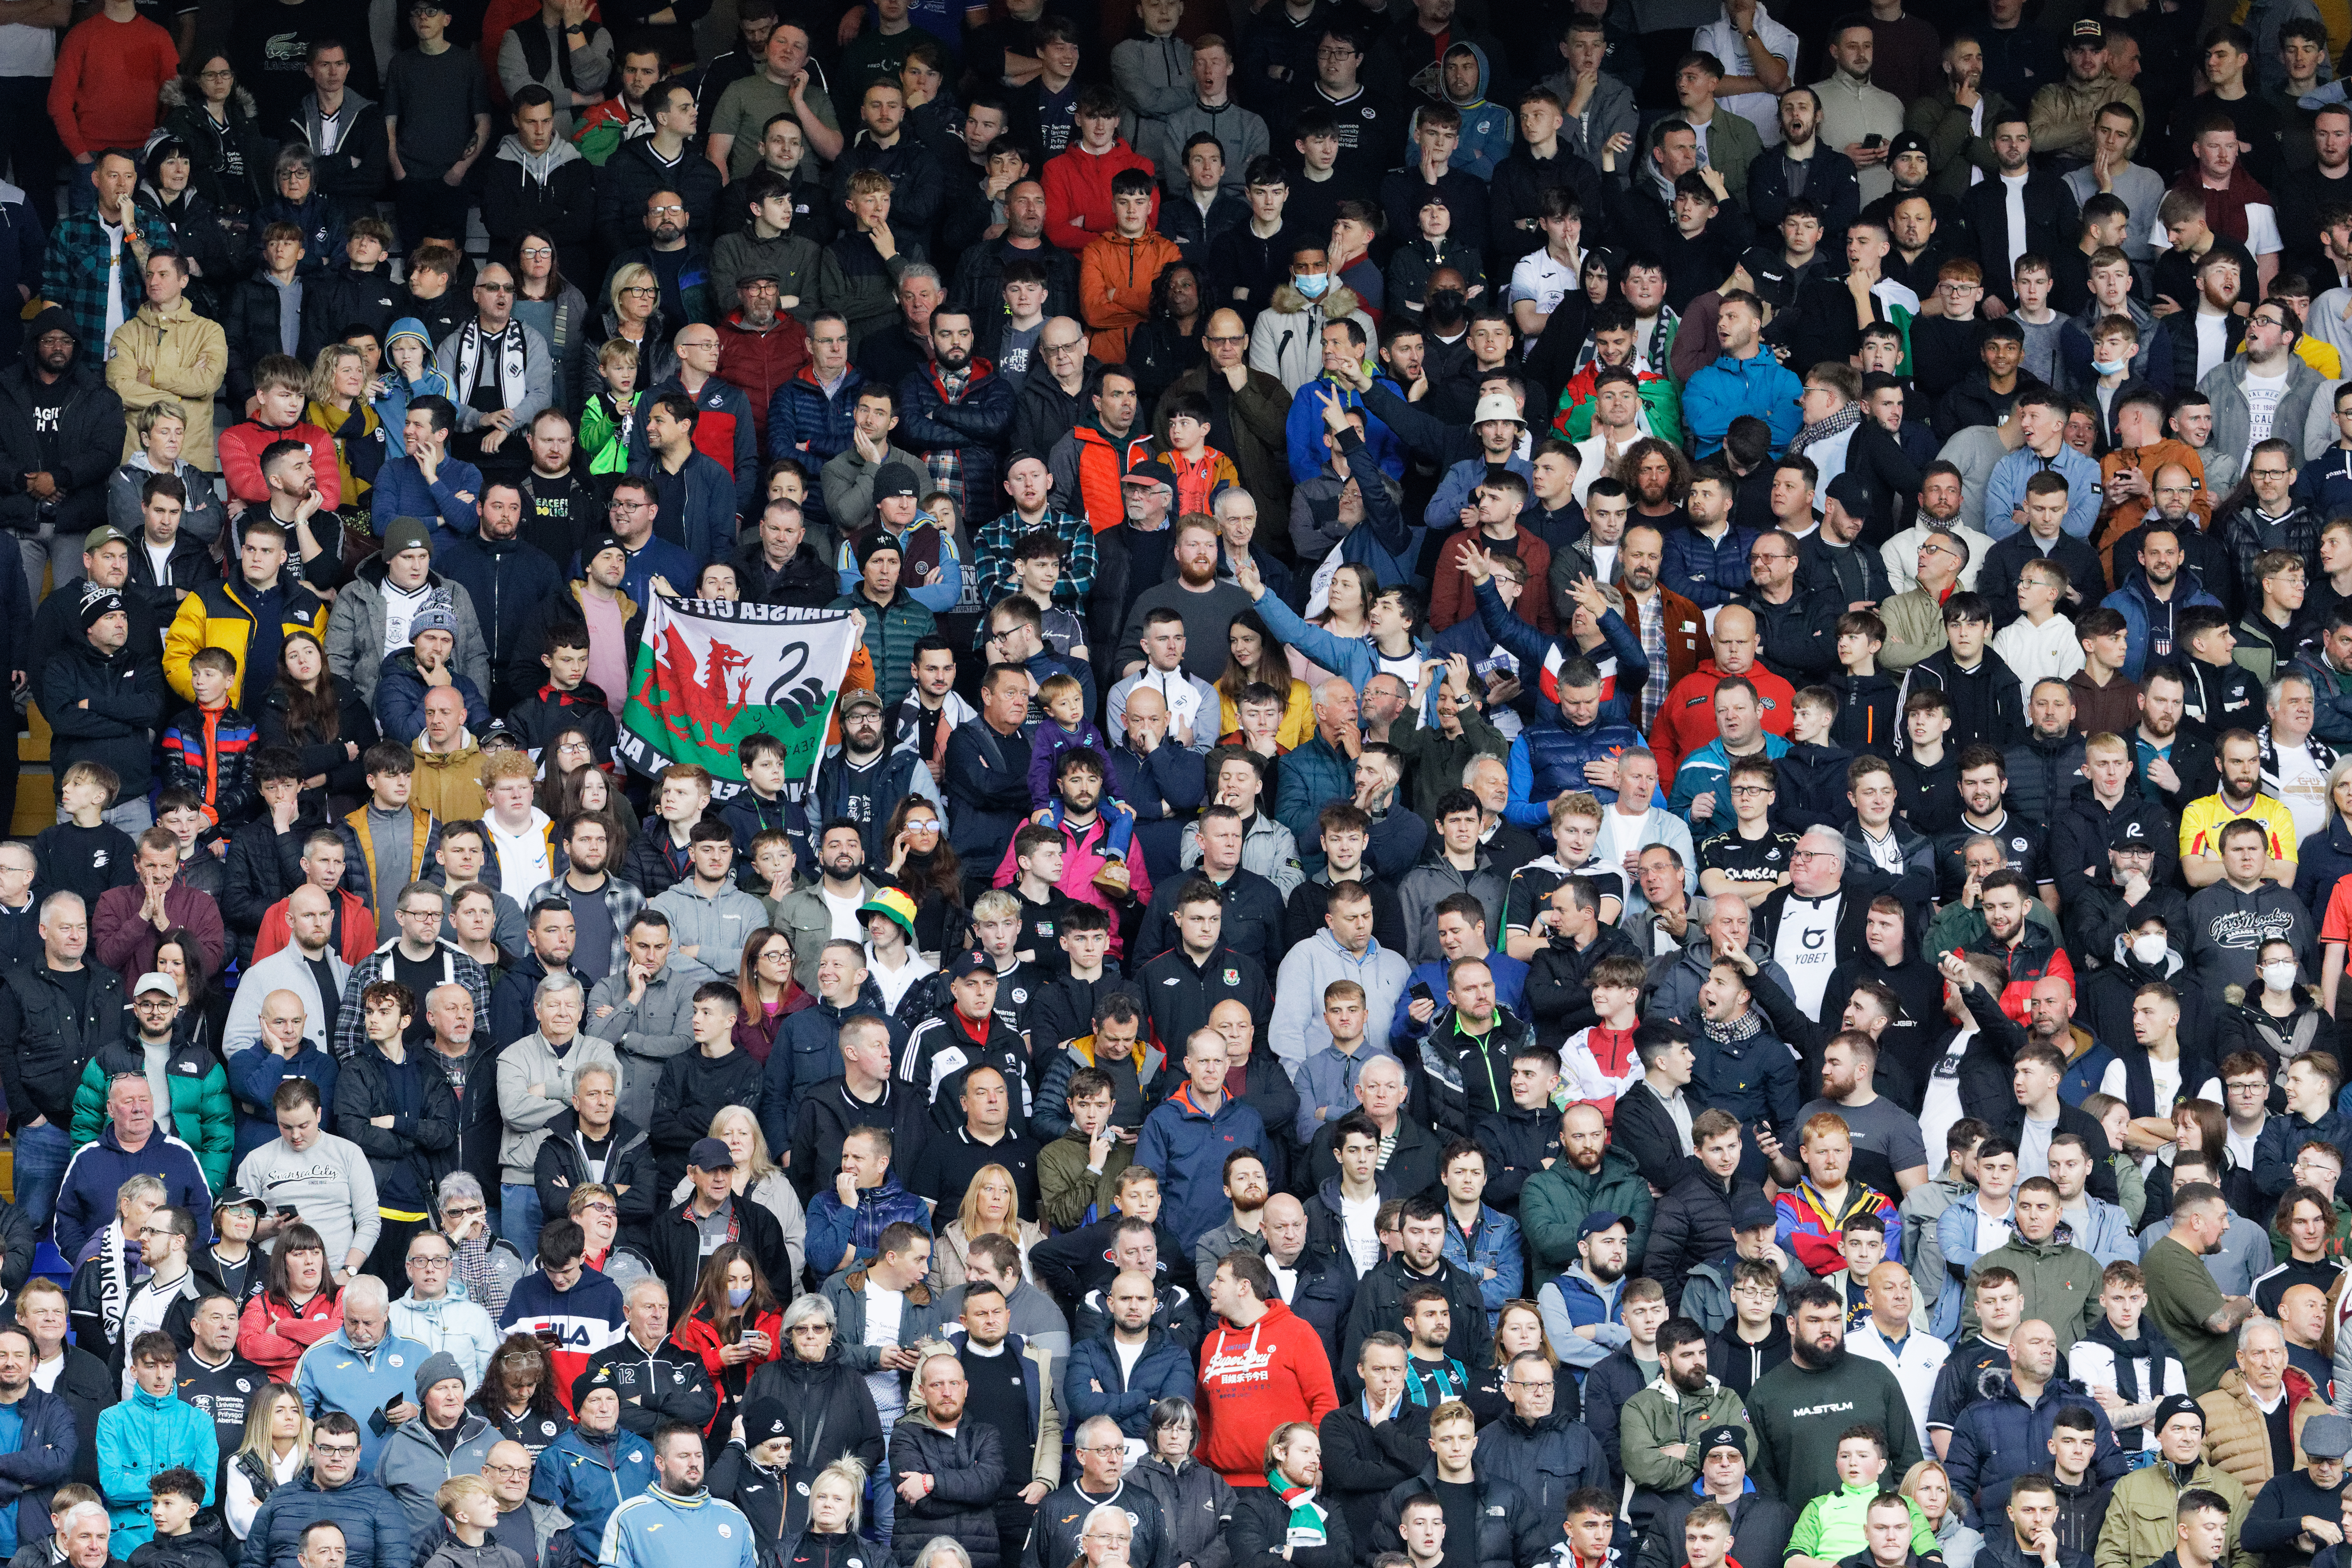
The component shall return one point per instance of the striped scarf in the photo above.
(1307, 1515)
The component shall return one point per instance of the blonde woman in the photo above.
(1519, 1326)
(162, 430)
(1928, 1484)
(989, 1205)
(756, 1178)
(339, 405)
(275, 1450)
(830, 1540)
(633, 314)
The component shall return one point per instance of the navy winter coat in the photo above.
(1164, 1371)
(375, 1530)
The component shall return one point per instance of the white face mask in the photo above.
(2149, 947)
(2110, 366)
(2278, 976)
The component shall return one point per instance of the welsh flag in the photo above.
(711, 671)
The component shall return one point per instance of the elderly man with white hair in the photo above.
(1068, 1513)
(658, 1378)
(1814, 923)
(535, 1082)
(363, 1368)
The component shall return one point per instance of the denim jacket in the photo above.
(1496, 1245)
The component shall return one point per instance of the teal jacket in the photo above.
(203, 1115)
(139, 1439)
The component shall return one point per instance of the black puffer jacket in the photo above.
(90, 435)
(54, 1042)
(831, 1410)
(410, 1157)
(1692, 1225)
(1379, 1304)
(1510, 1531)
(967, 1467)
(1196, 1508)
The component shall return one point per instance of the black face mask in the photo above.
(1447, 305)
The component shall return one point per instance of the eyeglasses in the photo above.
(451, 1212)
(506, 1469)
(490, 288)
(599, 1208)
(427, 1260)
(216, 76)
(335, 1450)
(656, 212)
(1751, 789)
(1223, 343)
(641, 292)
(537, 253)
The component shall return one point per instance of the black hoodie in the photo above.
(77, 442)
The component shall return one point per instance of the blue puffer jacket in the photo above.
(334, 1375)
(1549, 758)
(2138, 608)
(1707, 574)
(44, 1460)
(400, 699)
(375, 1532)
(588, 1477)
(140, 1438)
(832, 1227)
(1708, 769)
(811, 428)
(1162, 1371)
(1722, 392)
(2000, 1435)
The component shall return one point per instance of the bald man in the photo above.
(1685, 724)
(1248, 422)
(1319, 1285)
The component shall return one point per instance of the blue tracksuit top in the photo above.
(589, 1478)
(662, 1530)
(140, 1438)
(334, 1375)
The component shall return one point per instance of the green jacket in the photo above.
(2139, 1526)
(2062, 1285)
(1433, 762)
(1831, 1526)
(607, 444)
(1659, 1416)
(892, 630)
(203, 1116)
(1555, 1202)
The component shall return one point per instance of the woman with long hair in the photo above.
(1519, 1326)
(734, 1323)
(770, 994)
(203, 1012)
(275, 1450)
(339, 405)
(1929, 1485)
(1254, 654)
(551, 305)
(207, 110)
(299, 1308)
(321, 717)
(926, 869)
(1347, 607)
(518, 1393)
(989, 1207)
(587, 787)
(758, 1178)
(1196, 1504)
(569, 748)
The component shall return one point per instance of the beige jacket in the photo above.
(449, 783)
(2236, 1437)
(182, 358)
(2062, 113)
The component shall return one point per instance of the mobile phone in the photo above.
(289, 1214)
(1874, 140)
(1422, 993)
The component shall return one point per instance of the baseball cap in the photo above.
(863, 696)
(711, 1154)
(1754, 1213)
(969, 964)
(103, 535)
(2129, 833)
(1598, 1221)
(2088, 34)
(155, 980)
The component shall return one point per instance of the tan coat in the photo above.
(2139, 1526)
(2061, 114)
(449, 783)
(182, 358)
(2236, 1438)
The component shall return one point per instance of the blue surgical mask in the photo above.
(2110, 366)
(1312, 284)
(737, 1294)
